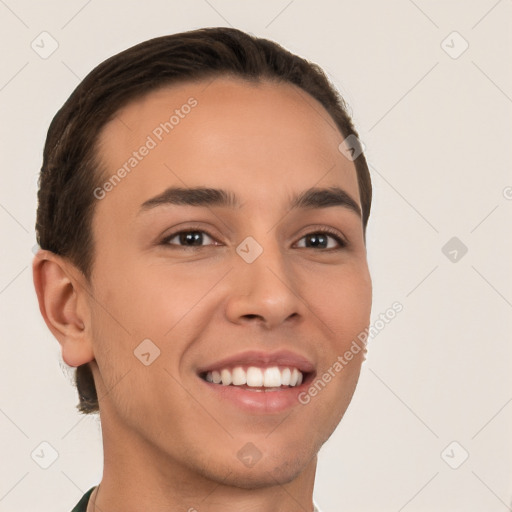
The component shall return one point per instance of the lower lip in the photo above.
(256, 401)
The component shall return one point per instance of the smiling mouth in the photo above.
(255, 378)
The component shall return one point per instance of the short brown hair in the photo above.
(70, 174)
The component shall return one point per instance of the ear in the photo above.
(63, 301)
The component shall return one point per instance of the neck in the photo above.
(138, 476)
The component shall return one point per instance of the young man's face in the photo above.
(254, 284)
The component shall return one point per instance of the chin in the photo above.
(265, 476)
(278, 468)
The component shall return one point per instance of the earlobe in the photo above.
(64, 306)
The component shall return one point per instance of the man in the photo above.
(202, 211)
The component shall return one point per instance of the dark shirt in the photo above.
(81, 506)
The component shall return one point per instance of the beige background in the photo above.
(437, 131)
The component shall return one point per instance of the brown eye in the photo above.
(188, 239)
(321, 240)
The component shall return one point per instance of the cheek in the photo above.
(342, 299)
(149, 300)
(171, 299)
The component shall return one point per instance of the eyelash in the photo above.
(325, 231)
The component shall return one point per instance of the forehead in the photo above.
(253, 138)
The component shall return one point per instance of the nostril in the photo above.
(251, 316)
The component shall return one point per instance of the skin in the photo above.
(167, 446)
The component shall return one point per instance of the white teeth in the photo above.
(285, 377)
(239, 377)
(225, 375)
(272, 377)
(254, 377)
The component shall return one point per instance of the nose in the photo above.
(264, 292)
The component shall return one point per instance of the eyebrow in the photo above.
(203, 196)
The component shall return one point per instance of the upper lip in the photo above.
(259, 358)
